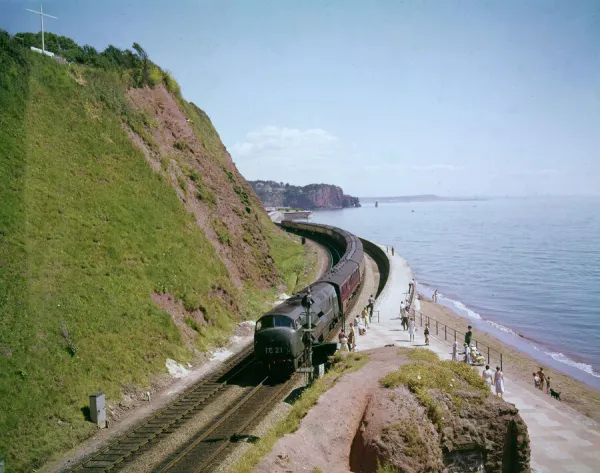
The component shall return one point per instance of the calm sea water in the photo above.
(512, 266)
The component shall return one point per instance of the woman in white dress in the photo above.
(411, 329)
(499, 382)
(455, 351)
(487, 375)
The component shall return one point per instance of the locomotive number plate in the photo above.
(272, 350)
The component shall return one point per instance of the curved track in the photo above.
(210, 445)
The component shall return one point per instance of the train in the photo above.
(279, 336)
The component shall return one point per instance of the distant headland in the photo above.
(310, 197)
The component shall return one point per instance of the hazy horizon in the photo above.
(500, 98)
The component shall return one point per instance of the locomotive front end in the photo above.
(276, 343)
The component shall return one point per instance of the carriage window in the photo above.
(271, 321)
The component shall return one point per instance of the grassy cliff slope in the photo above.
(97, 220)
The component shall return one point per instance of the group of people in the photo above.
(359, 326)
(540, 378)
(497, 378)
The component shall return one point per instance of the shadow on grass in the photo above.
(294, 395)
(85, 410)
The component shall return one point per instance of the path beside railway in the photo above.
(560, 441)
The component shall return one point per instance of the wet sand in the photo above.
(516, 364)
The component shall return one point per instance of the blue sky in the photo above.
(379, 97)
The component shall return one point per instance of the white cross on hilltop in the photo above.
(42, 15)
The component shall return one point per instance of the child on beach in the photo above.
(426, 334)
(455, 351)
(548, 385)
(536, 380)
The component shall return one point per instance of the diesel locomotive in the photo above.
(279, 337)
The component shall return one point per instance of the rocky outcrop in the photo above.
(311, 197)
(438, 417)
(406, 412)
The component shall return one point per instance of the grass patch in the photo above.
(297, 263)
(445, 376)
(222, 231)
(203, 193)
(422, 354)
(386, 468)
(181, 145)
(414, 445)
(191, 323)
(288, 425)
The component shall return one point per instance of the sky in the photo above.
(383, 98)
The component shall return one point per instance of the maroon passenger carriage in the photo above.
(279, 337)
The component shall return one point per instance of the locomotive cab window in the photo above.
(272, 321)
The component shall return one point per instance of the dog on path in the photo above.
(554, 394)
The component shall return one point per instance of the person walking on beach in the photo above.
(547, 384)
(468, 336)
(455, 351)
(426, 334)
(499, 382)
(487, 375)
(411, 330)
(392, 251)
(435, 296)
(542, 377)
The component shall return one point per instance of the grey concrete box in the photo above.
(97, 409)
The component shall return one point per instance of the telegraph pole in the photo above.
(307, 301)
(42, 15)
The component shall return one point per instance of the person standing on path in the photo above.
(392, 251)
(455, 351)
(499, 382)
(411, 330)
(343, 341)
(352, 338)
(371, 306)
(468, 337)
(405, 320)
(365, 317)
(487, 375)
(426, 334)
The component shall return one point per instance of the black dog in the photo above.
(554, 394)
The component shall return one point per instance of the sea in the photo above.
(527, 270)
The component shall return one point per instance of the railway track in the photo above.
(211, 444)
(169, 418)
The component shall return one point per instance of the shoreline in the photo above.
(542, 351)
(518, 364)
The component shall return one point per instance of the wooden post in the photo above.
(445, 332)
(488, 355)
(436, 328)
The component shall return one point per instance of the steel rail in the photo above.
(165, 420)
(204, 451)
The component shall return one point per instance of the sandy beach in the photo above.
(518, 365)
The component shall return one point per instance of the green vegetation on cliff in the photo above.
(89, 231)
